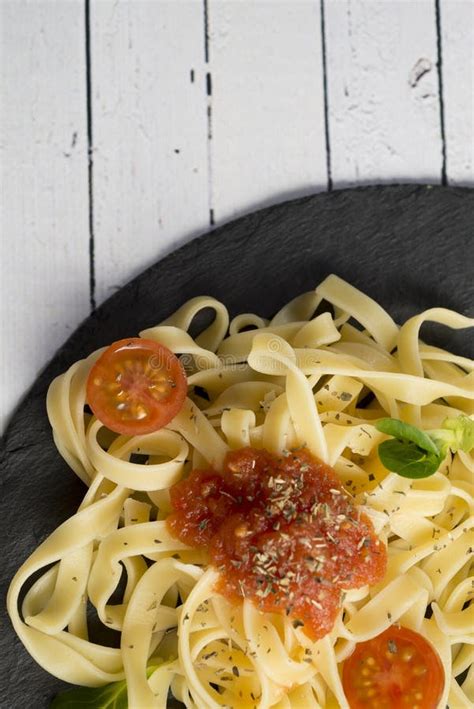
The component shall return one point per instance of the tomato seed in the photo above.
(419, 670)
(139, 412)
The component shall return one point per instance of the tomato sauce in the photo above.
(283, 533)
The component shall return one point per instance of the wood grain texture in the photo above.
(177, 136)
(457, 36)
(267, 103)
(44, 253)
(383, 91)
(149, 133)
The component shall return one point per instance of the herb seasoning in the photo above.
(282, 532)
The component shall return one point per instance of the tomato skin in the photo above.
(137, 386)
(398, 669)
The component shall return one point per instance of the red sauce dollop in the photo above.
(282, 531)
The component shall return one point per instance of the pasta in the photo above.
(296, 380)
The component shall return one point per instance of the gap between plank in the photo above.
(206, 31)
(439, 65)
(90, 160)
(208, 88)
(326, 97)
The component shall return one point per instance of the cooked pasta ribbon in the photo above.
(300, 379)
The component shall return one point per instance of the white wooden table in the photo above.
(129, 126)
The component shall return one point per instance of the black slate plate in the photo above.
(410, 247)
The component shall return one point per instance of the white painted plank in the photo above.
(44, 260)
(457, 33)
(384, 115)
(268, 140)
(149, 133)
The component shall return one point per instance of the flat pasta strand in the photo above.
(300, 379)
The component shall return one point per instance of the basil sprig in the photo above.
(418, 454)
(109, 696)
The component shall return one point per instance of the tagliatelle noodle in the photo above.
(298, 379)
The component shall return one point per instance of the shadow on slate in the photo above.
(409, 247)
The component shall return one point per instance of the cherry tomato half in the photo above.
(399, 669)
(136, 386)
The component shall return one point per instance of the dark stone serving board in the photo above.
(410, 247)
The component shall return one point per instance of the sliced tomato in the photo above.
(399, 669)
(136, 386)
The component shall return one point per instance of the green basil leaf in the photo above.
(408, 459)
(107, 697)
(406, 432)
(461, 429)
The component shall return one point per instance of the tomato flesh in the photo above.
(398, 669)
(136, 386)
